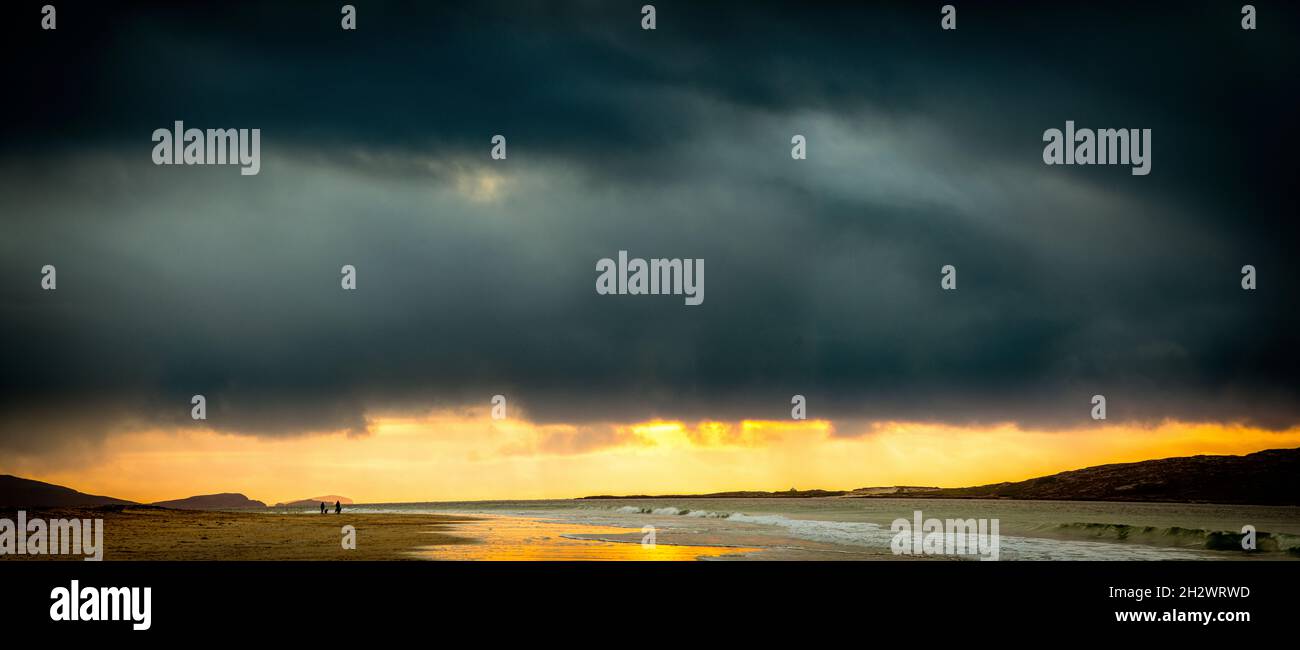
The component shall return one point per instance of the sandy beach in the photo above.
(152, 533)
(682, 529)
(148, 533)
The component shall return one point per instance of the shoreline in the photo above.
(729, 528)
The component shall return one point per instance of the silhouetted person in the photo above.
(338, 508)
(322, 507)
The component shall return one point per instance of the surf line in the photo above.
(945, 537)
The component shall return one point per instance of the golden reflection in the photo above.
(518, 539)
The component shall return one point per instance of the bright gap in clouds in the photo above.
(458, 456)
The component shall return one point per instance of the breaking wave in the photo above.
(1178, 536)
(671, 511)
(864, 534)
(835, 532)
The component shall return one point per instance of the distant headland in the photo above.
(1270, 477)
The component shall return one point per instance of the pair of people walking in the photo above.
(338, 507)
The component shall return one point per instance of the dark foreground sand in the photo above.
(148, 533)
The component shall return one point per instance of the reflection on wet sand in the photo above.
(518, 538)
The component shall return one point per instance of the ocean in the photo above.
(836, 528)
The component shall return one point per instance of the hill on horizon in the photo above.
(222, 501)
(1269, 477)
(329, 499)
(26, 493)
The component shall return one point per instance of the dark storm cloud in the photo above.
(821, 276)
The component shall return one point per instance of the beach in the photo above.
(835, 528)
(149, 533)
(688, 529)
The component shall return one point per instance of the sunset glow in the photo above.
(460, 456)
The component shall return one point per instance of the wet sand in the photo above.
(501, 538)
(150, 533)
(147, 533)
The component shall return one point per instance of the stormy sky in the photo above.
(476, 277)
